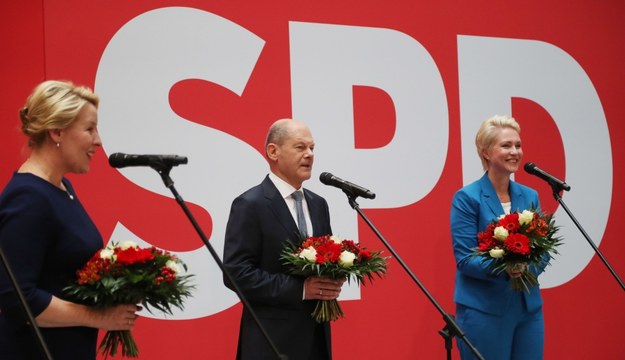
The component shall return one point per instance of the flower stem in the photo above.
(112, 339)
(327, 310)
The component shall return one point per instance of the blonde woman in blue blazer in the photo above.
(500, 322)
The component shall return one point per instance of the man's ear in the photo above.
(272, 151)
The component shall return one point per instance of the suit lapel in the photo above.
(313, 209)
(278, 207)
(519, 201)
(517, 198)
(489, 196)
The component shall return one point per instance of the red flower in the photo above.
(134, 255)
(485, 242)
(351, 246)
(364, 255)
(485, 239)
(167, 274)
(518, 243)
(538, 226)
(329, 251)
(510, 222)
(93, 269)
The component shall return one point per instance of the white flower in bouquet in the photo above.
(526, 217)
(125, 245)
(496, 253)
(347, 258)
(309, 254)
(173, 265)
(108, 253)
(500, 233)
(336, 239)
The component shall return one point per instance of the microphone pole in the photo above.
(43, 348)
(556, 188)
(451, 328)
(163, 170)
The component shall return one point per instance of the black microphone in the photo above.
(531, 168)
(120, 160)
(346, 186)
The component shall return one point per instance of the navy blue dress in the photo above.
(46, 236)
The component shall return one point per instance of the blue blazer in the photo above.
(473, 208)
(258, 228)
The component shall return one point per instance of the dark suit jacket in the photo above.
(473, 208)
(258, 227)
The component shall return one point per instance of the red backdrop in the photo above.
(54, 39)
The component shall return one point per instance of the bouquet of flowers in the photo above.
(332, 257)
(128, 274)
(519, 241)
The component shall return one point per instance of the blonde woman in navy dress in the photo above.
(46, 233)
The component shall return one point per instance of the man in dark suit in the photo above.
(261, 222)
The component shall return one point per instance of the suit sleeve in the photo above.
(464, 219)
(255, 269)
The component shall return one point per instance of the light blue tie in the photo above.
(299, 211)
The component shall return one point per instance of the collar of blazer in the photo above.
(491, 199)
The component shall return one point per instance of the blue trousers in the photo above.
(516, 335)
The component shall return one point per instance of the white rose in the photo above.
(347, 258)
(526, 217)
(336, 239)
(107, 253)
(496, 253)
(500, 233)
(127, 245)
(173, 264)
(309, 254)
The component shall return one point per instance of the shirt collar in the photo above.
(285, 189)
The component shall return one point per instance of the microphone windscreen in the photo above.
(117, 160)
(530, 167)
(326, 178)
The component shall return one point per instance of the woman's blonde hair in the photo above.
(53, 105)
(485, 137)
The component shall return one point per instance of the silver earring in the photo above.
(58, 144)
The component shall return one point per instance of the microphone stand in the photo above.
(557, 188)
(451, 328)
(164, 169)
(43, 348)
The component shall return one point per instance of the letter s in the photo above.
(144, 59)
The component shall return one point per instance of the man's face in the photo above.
(294, 157)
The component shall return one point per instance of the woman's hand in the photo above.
(120, 317)
(63, 313)
(516, 270)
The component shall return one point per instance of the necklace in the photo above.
(36, 170)
(63, 187)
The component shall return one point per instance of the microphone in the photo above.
(120, 160)
(531, 168)
(346, 186)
